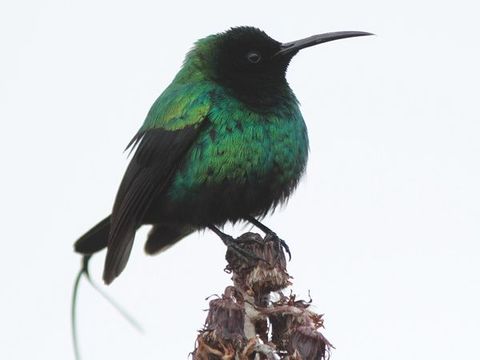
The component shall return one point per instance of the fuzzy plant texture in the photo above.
(254, 319)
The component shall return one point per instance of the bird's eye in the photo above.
(254, 57)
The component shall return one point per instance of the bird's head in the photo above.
(249, 62)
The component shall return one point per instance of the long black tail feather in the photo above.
(94, 239)
(85, 272)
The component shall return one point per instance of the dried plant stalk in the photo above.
(245, 324)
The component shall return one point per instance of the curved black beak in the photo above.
(295, 46)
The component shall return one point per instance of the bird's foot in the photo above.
(235, 246)
(281, 244)
(271, 235)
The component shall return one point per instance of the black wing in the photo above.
(158, 155)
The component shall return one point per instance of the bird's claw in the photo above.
(281, 244)
(235, 247)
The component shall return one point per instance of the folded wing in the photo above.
(169, 131)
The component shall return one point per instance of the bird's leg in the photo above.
(234, 245)
(270, 233)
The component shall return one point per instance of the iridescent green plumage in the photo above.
(224, 142)
(239, 145)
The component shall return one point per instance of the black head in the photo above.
(245, 60)
(252, 64)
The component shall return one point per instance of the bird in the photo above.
(224, 142)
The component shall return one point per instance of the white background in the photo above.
(384, 228)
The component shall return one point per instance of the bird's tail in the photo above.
(94, 239)
(162, 237)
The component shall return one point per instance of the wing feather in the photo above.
(160, 144)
